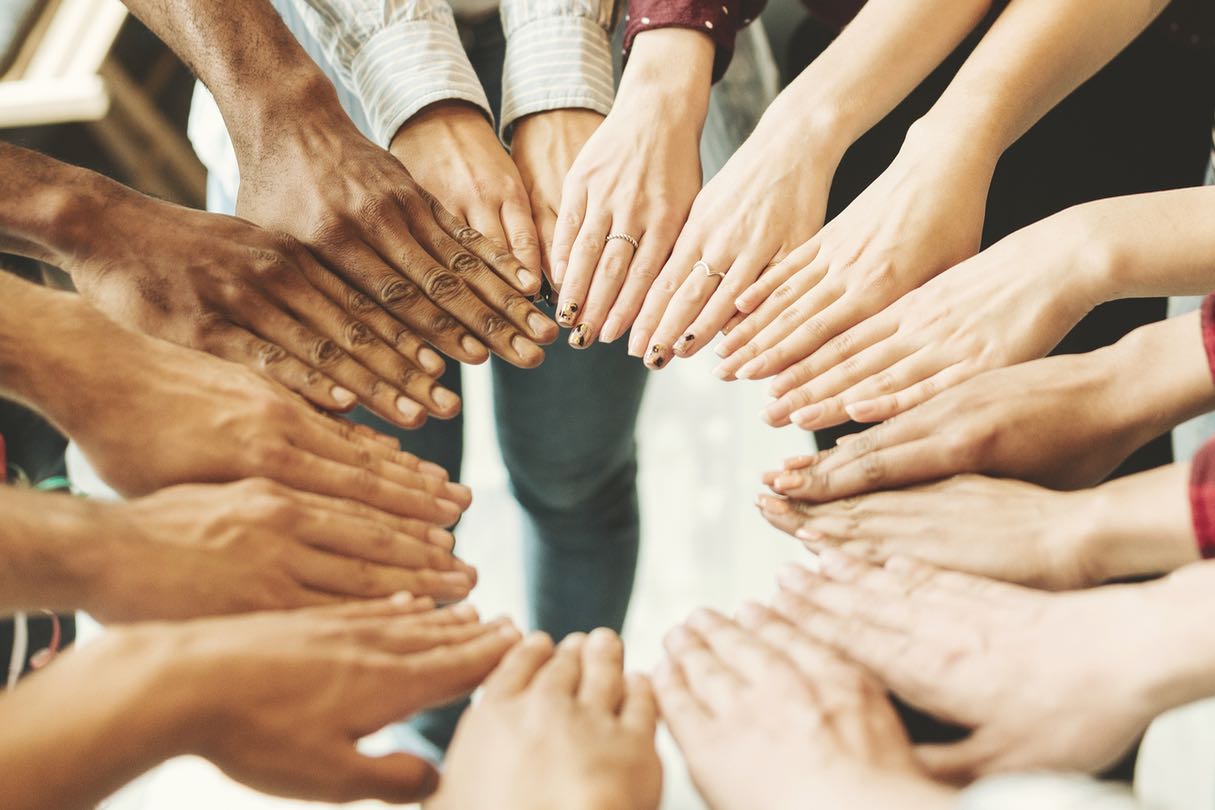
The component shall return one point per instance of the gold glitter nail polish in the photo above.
(579, 335)
(684, 343)
(657, 356)
(567, 314)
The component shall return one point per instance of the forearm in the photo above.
(261, 77)
(91, 722)
(1178, 660)
(878, 59)
(675, 66)
(1034, 55)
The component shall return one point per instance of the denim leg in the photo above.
(566, 430)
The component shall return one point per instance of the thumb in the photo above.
(960, 762)
(394, 778)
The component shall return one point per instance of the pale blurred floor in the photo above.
(703, 447)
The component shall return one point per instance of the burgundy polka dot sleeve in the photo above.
(719, 19)
(1202, 469)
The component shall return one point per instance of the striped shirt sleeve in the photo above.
(397, 56)
(558, 55)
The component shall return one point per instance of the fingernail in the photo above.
(456, 579)
(452, 510)
(657, 356)
(859, 411)
(471, 345)
(538, 323)
(447, 400)
(430, 361)
(409, 409)
(441, 537)
(610, 331)
(508, 630)
(789, 573)
(788, 481)
(578, 337)
(684, 344)
(567, 314)
(528, 351)
(464, 610)
(721, 372)
(809, 414)
(750, 368)
(809, 535)
(527, 279)
(430, 468)
(775, 506)
(401, 598)
(776, 411)
(458, 493)
(722, 350)
(342, 396)
(636, 345)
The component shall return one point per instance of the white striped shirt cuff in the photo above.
(555, 63)
(409, 65)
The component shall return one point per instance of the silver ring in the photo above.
(623, 236)
(709, 272)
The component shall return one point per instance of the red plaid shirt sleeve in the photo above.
(1202, 469)
(721, 20)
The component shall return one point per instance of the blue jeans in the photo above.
(566, 431)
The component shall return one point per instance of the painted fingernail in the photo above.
(610, 331)
(342, 396)
(657, 356)
(430, 361)
(750, 368)
(578, 337)
(409, 409)
(684, 344)
(809, 414)
(788, 481)
(567, 314)
(538, 323)
(527, 279)
(446, 400)
(473, 346)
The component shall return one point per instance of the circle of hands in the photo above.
(361, 273)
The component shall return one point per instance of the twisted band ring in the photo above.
(709, 272)
(623, 236)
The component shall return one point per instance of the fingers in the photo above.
(562, 673)
(767, 284)
(442, 674)
(654, 246)
(639, 711)
(356, 537)
(584, 255)
(782, 314)
(395, 778)
(602, 686)
(719, 309)
(686, 716)
(959, 763)
(609, 278)
(523, 241)
(520, 666)
(341, 575)
(670, 280)
(312, 473)
(711, 681)
(902, 465)
(705, 278)
(237, 345)
(755, 662)
(494, 254)
(569, 224)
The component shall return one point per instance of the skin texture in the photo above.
(225, 286)
(198, 550)
(1063, 422)
(110, 390)
(772, 194)
(637, 175)
(769, 719)
(926, 211)
(1011, 303)
(1000, 659)
(307, 171)
(277, 700)
(571, 709)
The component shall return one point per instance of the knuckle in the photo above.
(442, 323)
(441, 285)
(269, 355)
(357, 333)
(492, 324)
(397, 292)
(374, 209)
(464, 263)
(324, 352)
(884, 382)
(357, 303)
(873, 470)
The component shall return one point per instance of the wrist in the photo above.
(671, 67)
(440, 125)
(1176, 662)
(300, 114)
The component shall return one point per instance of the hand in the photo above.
(225, 286)
(452, 151)
(277, 700)
(1062, 422)
(921, 216)
(148, 414)
(1013, 302)
(197, 550)
(572, 710)
(1028, 534)
(637, 176)
(997, 658)
(770, 197)
(357, 208)
(768, 719)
